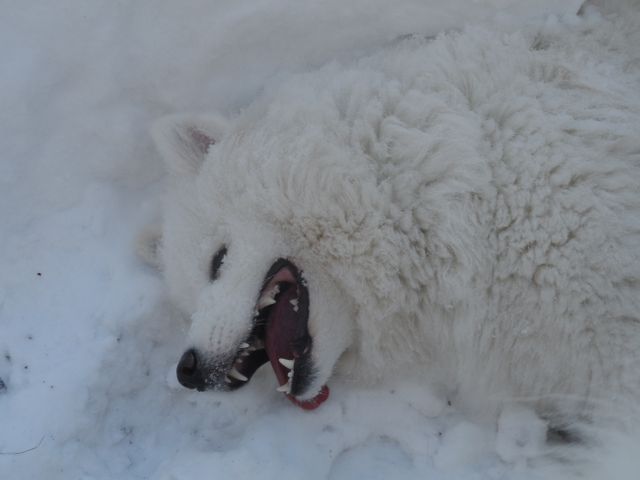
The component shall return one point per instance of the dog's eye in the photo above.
(216, 263)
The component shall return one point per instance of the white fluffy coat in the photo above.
(465, 209)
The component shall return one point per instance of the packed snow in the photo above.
(88, 341)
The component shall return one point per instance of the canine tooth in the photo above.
(286, 388)
(237, 375)
(268, 298)
(265, 302)
(294, 304)
(227, 380)
(244, 345)
(286, 363)
(290, 374)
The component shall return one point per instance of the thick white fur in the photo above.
(466, 210)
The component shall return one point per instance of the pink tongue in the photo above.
(282, 329)
(314, 402)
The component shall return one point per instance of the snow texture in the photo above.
(88, 341)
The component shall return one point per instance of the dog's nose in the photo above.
(187, 370)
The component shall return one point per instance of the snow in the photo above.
(88, 343)
(521, 435)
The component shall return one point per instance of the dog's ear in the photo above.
(184, 140)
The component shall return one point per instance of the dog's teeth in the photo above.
(244, 354)
(265, 302)
(237, 375)
(290, 374)
(286, 388)
(268, 298)
(227, 380)
(257, 344)
(244, 345)
(287, 363)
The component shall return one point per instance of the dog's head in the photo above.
(249, 220)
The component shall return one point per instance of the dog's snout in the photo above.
(188, 373)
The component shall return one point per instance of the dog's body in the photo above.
(466, 210)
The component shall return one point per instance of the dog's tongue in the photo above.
(283, 327)
(281, 330)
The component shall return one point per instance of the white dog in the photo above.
(466, 210)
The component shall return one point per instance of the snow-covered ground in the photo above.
(88, 343)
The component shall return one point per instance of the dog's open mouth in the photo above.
(280, 336)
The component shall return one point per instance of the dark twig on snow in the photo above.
(24, 451)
